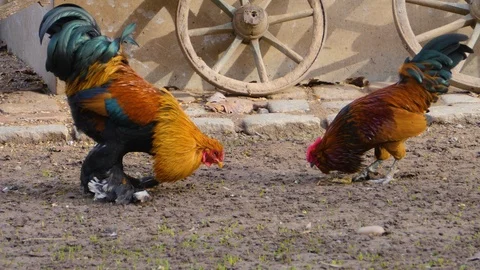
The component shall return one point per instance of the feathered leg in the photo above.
(102, 174)
(98, 162)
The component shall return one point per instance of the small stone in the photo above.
(262, 111)
(371, 230)
(329, 120)
(18, 168)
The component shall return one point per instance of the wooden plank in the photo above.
(14, 6)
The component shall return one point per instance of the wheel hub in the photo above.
(475, 9)
(250, 22)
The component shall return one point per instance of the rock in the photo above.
(29, 134)
(280, 125)
(357, 81)
(465, 112)
(280, 106)
(371, 230)
(450, 99)
(262, 111)
(337, 92)
(31, 103)
(215, 126)
(195, 110)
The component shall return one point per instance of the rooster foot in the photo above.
(384, 181)
(388, 177)
(117, 187)
(361, 176)
(365, 174)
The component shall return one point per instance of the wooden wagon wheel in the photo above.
(469, 16)
(250, 25)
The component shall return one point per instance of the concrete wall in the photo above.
(361, 38)
(20, 32)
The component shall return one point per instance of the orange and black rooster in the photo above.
(386, 118)
(118, 109)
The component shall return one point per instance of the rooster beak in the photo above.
(220, 164)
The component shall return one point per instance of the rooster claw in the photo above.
(384, 181)
(363, 176)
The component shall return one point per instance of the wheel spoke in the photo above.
(458, 8)
(265, 4)
(228, 54)
(244, 2)
(471, 43)
(282, 47)
(289, 16)
(219, 29)
(257, 55)
(451, 27)
(227, 8)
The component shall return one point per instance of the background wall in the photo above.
(361, 38)
(20, 32)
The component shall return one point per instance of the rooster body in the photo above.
(118, 109)
(385, 119)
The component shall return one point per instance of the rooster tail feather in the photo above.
(76, 41)
(432, 66)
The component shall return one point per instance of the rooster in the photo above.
(386, 118)
(119, 110)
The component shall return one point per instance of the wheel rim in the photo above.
(470, 13)
(250, 25)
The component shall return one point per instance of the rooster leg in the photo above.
(98, 163)
(389, 176)
(370, 169)
(102, 174)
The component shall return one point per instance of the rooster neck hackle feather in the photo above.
(97, 74)
(178, 155)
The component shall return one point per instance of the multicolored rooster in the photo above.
(386, 118)
(118, 109)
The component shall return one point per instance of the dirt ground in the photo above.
(266, 209)
(263, 210)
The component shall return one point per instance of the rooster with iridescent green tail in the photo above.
(385, 119)
(121, 111)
